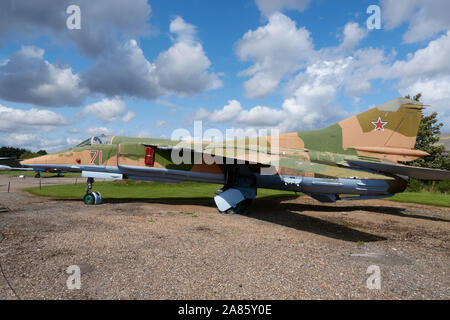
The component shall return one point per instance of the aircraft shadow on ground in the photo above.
(289, 214)
(271, 203)
(395, 211)
(277, 212)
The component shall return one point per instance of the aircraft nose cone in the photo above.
(37, 160)
(25, 163)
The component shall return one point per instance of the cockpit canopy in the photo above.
(96, 140)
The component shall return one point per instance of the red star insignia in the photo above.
(379, 124)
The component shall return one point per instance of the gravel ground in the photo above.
(185, 249)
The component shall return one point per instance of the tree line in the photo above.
(20, 153)
(427, 140)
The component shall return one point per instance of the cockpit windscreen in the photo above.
(95, 140)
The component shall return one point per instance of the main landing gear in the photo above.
(91, 197)
(239, 190)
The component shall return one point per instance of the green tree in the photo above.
(19, 153)
(427, 140)
(11, 152)
(41, 153)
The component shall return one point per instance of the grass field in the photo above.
(431, 198)
(192, 190)
(142, 190)
(43, 174)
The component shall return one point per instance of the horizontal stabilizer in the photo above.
(412, 172)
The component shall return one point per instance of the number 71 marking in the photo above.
(94, 154)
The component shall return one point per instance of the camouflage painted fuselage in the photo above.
(356, 156)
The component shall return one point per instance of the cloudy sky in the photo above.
(146, 68)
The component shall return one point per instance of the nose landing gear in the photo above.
(91, 197)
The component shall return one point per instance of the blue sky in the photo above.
(145, 68)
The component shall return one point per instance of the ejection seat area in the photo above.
(96, 140)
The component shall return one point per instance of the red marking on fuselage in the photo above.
(96, 153)
(379, 124)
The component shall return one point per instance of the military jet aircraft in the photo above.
(356, 158)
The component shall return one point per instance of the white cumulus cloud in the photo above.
(425, 18)
(96, 131)
(183, 69)
(108, 110)
(19, 120)
(353, 34)
(227, 113)
(25, 76)
(276, 49)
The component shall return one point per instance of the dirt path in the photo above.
(184, 249)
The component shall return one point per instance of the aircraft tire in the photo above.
(89, 198)
(242, 207)
(93, 198)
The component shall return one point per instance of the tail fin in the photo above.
(387, 132)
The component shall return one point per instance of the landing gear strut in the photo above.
(91, 197)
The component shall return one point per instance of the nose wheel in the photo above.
(91, 197)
